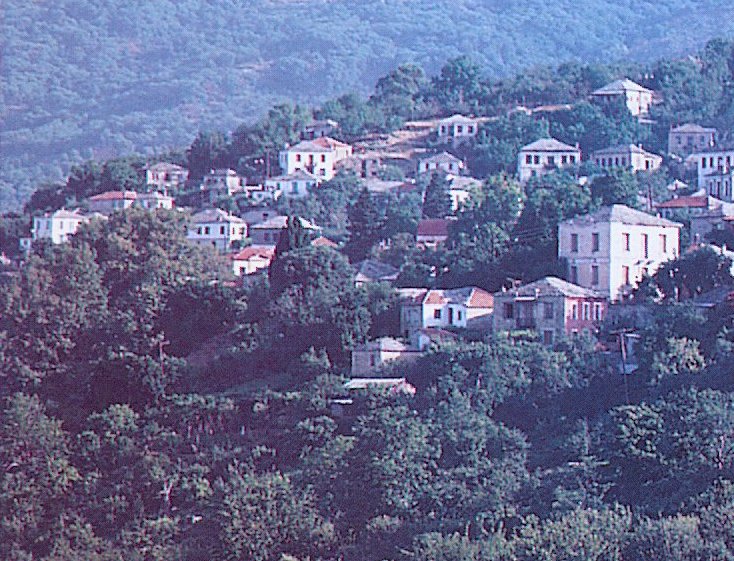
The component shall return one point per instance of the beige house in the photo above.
(637, 98)
(552, 307)
(690, 138)
(164, 176)
(441, 162)
(457, 129)
(545, 155)
(611, 249)
(294, 186)
(252, 259)
(218, 229)
(317, 157)
(468, 307)
(628, 156)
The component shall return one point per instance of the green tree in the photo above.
(207, 151)
(616, 187)
(365, 226)
(437, 200)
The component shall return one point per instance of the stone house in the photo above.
(627, 156)
(218, 229)
(432, 231)
(637, 98)
(457, 129)
(268, 232)
(295, 185)
(713, 167)
(552, 307)
(690, 138)
(165, 176)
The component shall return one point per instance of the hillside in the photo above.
(89, 79)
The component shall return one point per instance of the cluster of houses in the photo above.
(607, 252)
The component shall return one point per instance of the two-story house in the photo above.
(222, 182)
(690, 138)
(627, 156)
(637, 98)
(468, 307)
(57, 226)
(165, 176)
(610, 250)
(295, 185)
(113, 201)
(457, 129)
(545, 155)
(217, 228)
(317, 157)
(252, 259)
(268, 231)
(712, 166)
(444, 162)
(552, 307)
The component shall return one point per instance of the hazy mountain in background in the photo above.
(85, 78)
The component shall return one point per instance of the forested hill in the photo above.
(85, 78)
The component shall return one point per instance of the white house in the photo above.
(295, 185)
(611, 249)
(370, 356)
(317, 157)
(441, 162)
(153, 201)
(713, 164)
(57, 226)
(217, 228)
(457, 129)
(165, 176)
(690, 138)
(112, 201)
(544, 155)
(628, 156)
(468, 307)
(637, 98)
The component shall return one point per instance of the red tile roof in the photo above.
(114, 196)
(266, 252)
(321, 241)
(480, 299)
(700, 201)
(434, 297)
(433, 227)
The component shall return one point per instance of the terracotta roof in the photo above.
(264, 251)
(434, 297)
(624, 215)
(433, 227)
(321, 241)
(114, 196)
(413, 295)
(620, 86)
(165, 166)
(686, 202)
(63, 213)
(470, 296)
(551, 286)
(383, 344)
(322, 144)
(549, 145)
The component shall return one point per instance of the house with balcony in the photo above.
(545, 155)
(611, 249)
(218, 229)
(468, 308)
(712, 166)
(628, 156)
(317, 157)
(165, 177)
(637, 98)
(551, 307)
(690, 138)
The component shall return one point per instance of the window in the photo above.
(443, 129)
(551, 160)
(548, 337)
(564, 159)
(586, 311)
(294, 187)
(323, 157)
(437, 314)
(575, 243)
(322, 171)
(242, 231)
(572, 159)
(470, 129)
(647, 164)
(594, 274)
(536, 159)
(198, 230)
(373, 361)
(459, 129)
(595, 241)
(663, 243)
(645, 248)
(221, 230)
(626, 241)
(616, 161)
(206, 230)
(597, 311)
(298, 157)
(575, 311)
(626, 274)
(574, 274)
(624, 161)
(547, 310)
(458, 315)
(528, 159)
(508, 311)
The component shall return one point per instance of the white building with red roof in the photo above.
(252, 259)
(317, 157)
(467, 307)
